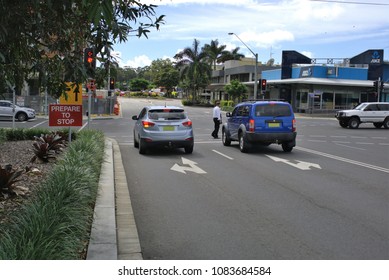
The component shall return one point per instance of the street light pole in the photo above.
(256, 66)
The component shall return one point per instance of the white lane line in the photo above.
(38, 124)
(378, 168)
(230, 158)
(347, 146)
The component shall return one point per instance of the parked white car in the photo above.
(20, 113)
(367, 112)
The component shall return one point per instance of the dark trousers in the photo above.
(217, 125)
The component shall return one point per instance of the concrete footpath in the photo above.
(114, 235)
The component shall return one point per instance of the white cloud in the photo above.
(138, 61)
(317, 27)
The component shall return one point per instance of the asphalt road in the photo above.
(328, 199)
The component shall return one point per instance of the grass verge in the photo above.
(55, 223)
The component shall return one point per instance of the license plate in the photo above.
(274, 124)
(168, 128)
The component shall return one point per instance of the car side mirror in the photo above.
(228, 114)
(135, 118)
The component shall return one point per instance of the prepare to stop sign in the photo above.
(65, 115)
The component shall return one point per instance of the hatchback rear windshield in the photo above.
(272, 110)
(167, 114)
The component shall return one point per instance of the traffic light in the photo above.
(89, 60)
(111, 83)
(382, 86)
(263, 84)
(375, 85)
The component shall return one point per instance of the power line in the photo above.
(350, 2)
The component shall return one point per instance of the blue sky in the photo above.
(318, 29)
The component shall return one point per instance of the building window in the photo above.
(328, 100)
(302, 100)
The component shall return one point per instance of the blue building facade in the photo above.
(311, 87)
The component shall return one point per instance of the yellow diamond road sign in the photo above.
(73, 95)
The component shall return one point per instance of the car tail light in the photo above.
(187, 123)
(294, 125)
(147, 124)
(251, 125)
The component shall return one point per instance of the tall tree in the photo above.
(46, 37)
(193, 65)
(164, 74)
(214, 52)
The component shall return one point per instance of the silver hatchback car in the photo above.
(8, 110)
(163, 126)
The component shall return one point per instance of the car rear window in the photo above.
(167, 114)
(273, 110)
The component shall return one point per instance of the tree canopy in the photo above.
(236, 89)
(194, 67)
(46, 38)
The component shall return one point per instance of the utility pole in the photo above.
(256, 66)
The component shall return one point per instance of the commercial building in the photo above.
(313, 85)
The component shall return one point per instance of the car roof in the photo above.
(374, 103)
(263, 102)
(156, 107)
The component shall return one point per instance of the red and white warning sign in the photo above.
(65, 115)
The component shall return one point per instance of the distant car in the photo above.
(261, 123)
(163, 126)
(367, 112)
(20, 113)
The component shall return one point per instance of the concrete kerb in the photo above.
(114, 235)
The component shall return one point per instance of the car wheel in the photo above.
(386, 123)
(142, 146)
(287, 147)
(188, 150)
(353, 123)
(243, 144)
(22, 117)
(136, 143)
(225, 138)
(343, 124)
(378, 124)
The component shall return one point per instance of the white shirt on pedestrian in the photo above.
(217, 112)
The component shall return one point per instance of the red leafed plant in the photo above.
(8, 177)
(47, 146)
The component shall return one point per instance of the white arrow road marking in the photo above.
(303, 165)
(192, 167)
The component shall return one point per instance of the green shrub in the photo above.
(55, 223)
(17, 134)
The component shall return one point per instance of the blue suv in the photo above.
(262, 123)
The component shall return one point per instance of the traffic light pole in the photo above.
(109, 88)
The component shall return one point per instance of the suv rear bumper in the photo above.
(168, 143)
(271, 137)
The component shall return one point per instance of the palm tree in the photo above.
(214, 52)
(231, 55)
(193, 65)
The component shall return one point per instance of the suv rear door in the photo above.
(273, 117)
